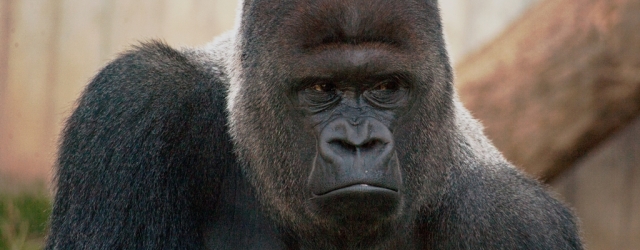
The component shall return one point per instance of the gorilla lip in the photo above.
(359, 187)
(357, 203)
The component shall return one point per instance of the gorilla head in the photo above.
(337, 108)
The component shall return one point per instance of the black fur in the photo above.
(176, 149)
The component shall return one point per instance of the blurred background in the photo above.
(555, 82)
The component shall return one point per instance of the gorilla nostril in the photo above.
(343, 145)
(372, 144)
(346, 146)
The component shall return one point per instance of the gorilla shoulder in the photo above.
(137, 159)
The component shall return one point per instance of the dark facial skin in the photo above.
(351, 112)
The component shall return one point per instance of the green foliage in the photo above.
(23, 221)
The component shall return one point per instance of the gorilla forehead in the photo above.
(302, 38)
(354, 62)
(304, 24)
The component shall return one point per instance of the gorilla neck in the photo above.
(374, 241)
(385, 235)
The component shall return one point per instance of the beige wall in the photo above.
(49, 49)
(470, 24)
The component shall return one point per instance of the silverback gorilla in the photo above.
(315, 124)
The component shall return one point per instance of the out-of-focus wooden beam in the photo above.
(557, 82)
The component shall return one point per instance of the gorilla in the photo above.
(314, 124)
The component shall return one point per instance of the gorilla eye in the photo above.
(388, 93)
(387, 85)
(319, 96)
(323, 87)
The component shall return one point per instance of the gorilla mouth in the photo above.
(361, 202)
(358, 188)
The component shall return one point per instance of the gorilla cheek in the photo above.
(356, 172)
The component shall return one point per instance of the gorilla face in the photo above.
(351, 114)
(321, 103)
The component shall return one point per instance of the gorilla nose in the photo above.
(355, 154)
(355, 147)
(361, 145)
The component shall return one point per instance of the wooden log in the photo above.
(557, 82)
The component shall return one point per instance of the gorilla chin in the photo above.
(360, 202)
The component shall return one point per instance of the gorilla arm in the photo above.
(143, 155)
